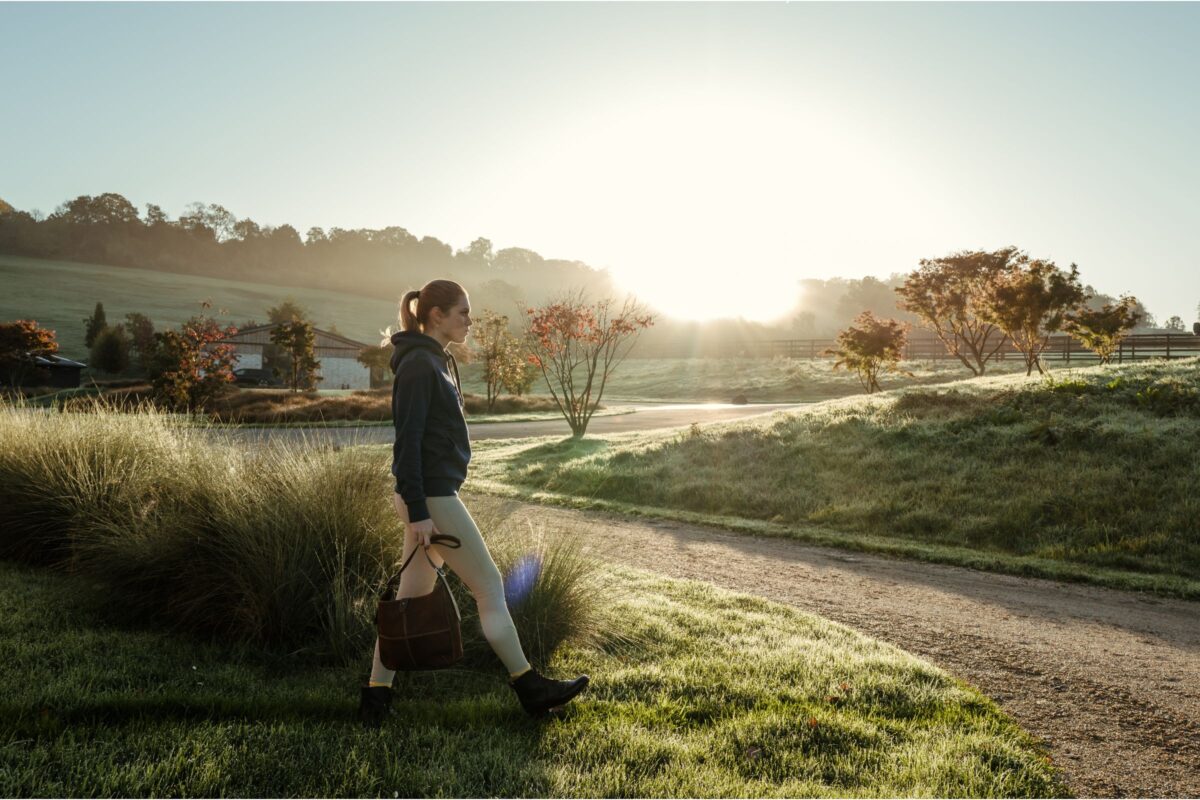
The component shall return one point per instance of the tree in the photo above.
(276, 358)
(870, 346)
(1175, 323)
(94, 324)
(1031, 300)
(1101, 330)
(110, 351)
(190, 365)
(577, 346)
(521, 381)
(21, 343)
(378, 360)
(503, 360)
(946, 296)
(141, 338)
(297, 340)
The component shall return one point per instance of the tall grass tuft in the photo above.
(283, 546)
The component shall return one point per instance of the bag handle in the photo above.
(444, 539)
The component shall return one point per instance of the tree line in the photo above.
(979, 303)
(208, 239)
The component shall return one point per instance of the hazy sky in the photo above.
(710, 155)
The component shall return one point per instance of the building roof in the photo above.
(316, 331)
(56, 361)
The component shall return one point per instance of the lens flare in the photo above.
(521, 579)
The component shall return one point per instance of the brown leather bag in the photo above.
(420, 632)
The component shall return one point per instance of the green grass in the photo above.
(714, 694)
(1091, 476)
(60, 294)
(761, 380)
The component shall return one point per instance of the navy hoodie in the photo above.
(430, 456)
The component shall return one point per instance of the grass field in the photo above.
(718, 695)
(60, 294)
(1092, 475)
(761, 380)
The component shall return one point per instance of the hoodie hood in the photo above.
(404, 342)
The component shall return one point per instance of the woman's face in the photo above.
(454, 325)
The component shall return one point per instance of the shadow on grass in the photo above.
(563, 450)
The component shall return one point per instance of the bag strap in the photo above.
(444, 539)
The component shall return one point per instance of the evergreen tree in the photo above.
(94, 324)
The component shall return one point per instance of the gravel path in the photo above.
(1109, 680)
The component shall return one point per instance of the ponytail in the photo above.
(416, 304)
(410, 316)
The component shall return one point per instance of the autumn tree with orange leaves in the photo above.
(577, 346)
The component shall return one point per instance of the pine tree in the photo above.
(94, 324)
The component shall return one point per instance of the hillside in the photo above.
(1090, 473)
(60, 294)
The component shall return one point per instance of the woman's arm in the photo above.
(411, 392)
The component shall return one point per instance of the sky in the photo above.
(710, 155)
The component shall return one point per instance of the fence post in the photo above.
(1168, 347)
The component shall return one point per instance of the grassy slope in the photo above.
(60, 294)
(720, 695)
(1091, 477)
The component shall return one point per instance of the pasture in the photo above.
(60, 295)
(1090, 474)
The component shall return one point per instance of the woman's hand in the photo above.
(423, 529)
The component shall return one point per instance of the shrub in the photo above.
(284, 546)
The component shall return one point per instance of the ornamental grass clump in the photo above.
(283, 546)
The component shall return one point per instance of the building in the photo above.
(48, 370)
(338, 355)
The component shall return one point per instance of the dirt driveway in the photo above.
(1109, 680)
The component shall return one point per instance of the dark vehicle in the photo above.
(253, 376)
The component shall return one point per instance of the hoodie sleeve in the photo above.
(411, 391)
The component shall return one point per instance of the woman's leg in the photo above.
(473, 564)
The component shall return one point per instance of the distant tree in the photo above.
(5, 207)
(141, 338)
(21, 343)
(478, 252)
(190, 365)
(378, 360)
(94, 324)
(1101, 330)
(315, 235)
(1031, 300)
(503, 358)
(276, 358)
(577, 346)
(1175, 323)
(110, 351)
(946, 294)
(297, 340)
(870, 346)
(521, 381)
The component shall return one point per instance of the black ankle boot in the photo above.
(374, 705)
(538, 695)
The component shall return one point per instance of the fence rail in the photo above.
(1136, 347)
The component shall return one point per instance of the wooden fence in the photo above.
(1061, 347)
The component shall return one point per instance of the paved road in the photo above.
(645, 417)
(1110, 680)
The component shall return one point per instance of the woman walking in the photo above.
(429, 463)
